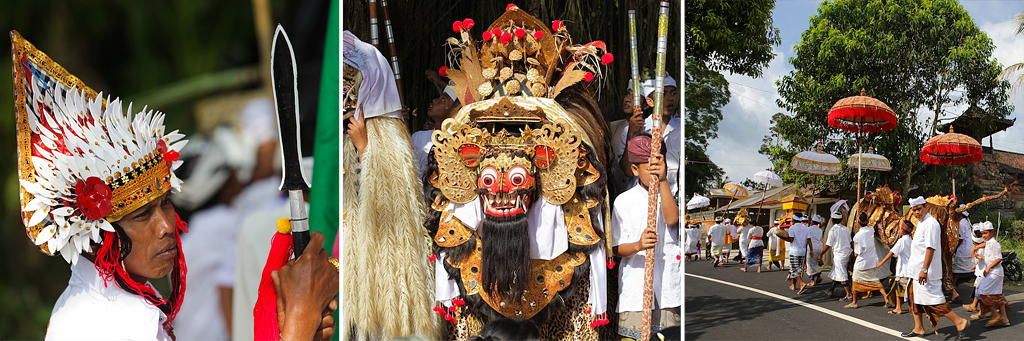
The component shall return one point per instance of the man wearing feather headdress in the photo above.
(516, 182)
(95, 185)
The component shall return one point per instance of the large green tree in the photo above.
(733, 36)
(924, 58)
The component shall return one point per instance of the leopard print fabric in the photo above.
(572, 324)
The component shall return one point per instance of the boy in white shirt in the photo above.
(814, 233)
(902, 252)
(632, 241)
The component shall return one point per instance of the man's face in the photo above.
(439, 107)
(987, 234)
(671, 100)
(627, 103)
(151, 229)
(919, 212)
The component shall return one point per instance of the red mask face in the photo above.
(508, 181)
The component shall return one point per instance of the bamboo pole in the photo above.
(653, 189)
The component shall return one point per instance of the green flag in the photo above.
(323, 202)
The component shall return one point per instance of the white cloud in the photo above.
(1009, 50)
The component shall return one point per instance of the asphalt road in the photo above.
(718, 311)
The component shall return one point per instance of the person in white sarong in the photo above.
(840, 242)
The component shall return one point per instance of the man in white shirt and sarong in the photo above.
(840, 242)
(925, 290)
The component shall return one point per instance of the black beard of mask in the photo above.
(505, 255)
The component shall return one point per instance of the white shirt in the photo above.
(90, 310)
(901, 250)
(628, 223)
(964, 250)
(864, 247)
(815, 233)
(926, 237)
(744, 236)
(717, 233)
(839, 241)
(979, 263)
(798, 246)
(692, 237)
(733, 232)
(253, 249)
(421, 144)
(755, 232)
(669, 135)
(993, 251)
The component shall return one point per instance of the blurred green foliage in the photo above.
(120, 47)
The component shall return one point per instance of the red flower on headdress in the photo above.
(93, 198)
(457, 26)
(588, 77)
(169, 155)
(468, 23)
(538, 34)
(510, 7)
(488, 35)
(556, 25)
(520, 33)
(443, 71)
(607, 58)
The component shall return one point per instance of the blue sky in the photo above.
(746, 118)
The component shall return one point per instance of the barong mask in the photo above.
(83, 164)
(514, 148)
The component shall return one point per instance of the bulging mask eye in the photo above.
(488, 178)
(518, 176)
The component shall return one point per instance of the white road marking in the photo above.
(845, 317)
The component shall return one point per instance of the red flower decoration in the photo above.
(556, 25)
(468, 23)
(443, 71)
(488, 35)
(607, 58)
(588, 77)
(431, 258)
(506, 38)
(457, 26)
(169, 155)
(520, 33)
(93, 198)
(538, 34)
(510, 7)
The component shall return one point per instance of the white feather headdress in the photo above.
(83, 163)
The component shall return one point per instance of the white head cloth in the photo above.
(818, 219)
(378, 95)
(965, 213)
(837, 215)
(984, 226)
(916, 201)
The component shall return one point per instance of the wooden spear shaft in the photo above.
(653, 189)
(394, 57)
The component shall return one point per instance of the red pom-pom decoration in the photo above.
(437, 309)
(611, 264)
(459, 302)
(506, 38)
(457, 26)
(520, 33)
(678, 257)
(451, 309)
(496, 32)
(468, 23)
(588, 77)
(443, 71)
(510, 7)
(593, 324)
(607, 58)
(431, 258)
(538, 34)
(488, 35)
(588, 311)
(556, 25)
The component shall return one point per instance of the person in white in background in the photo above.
(901, 250)
(248, 155)
(840, 242)
(441, 108)
(925, 290)
(990, 288)
(730, 238)
(670, 126)
(716, 238)
(744, 238)
(776, 249)
(979, 269)
(755, 251)
(692, 241)
(815, 233)
(962, 261)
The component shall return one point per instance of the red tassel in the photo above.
(588, 77)
(437, 309)
(451, 309)
(611, 264)
(520, 33)
(468, 23)
(487, 35)
(538, 35)
(459, 302)
(607, 58)
(265, 311)
(556, 25)
(431, 258)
